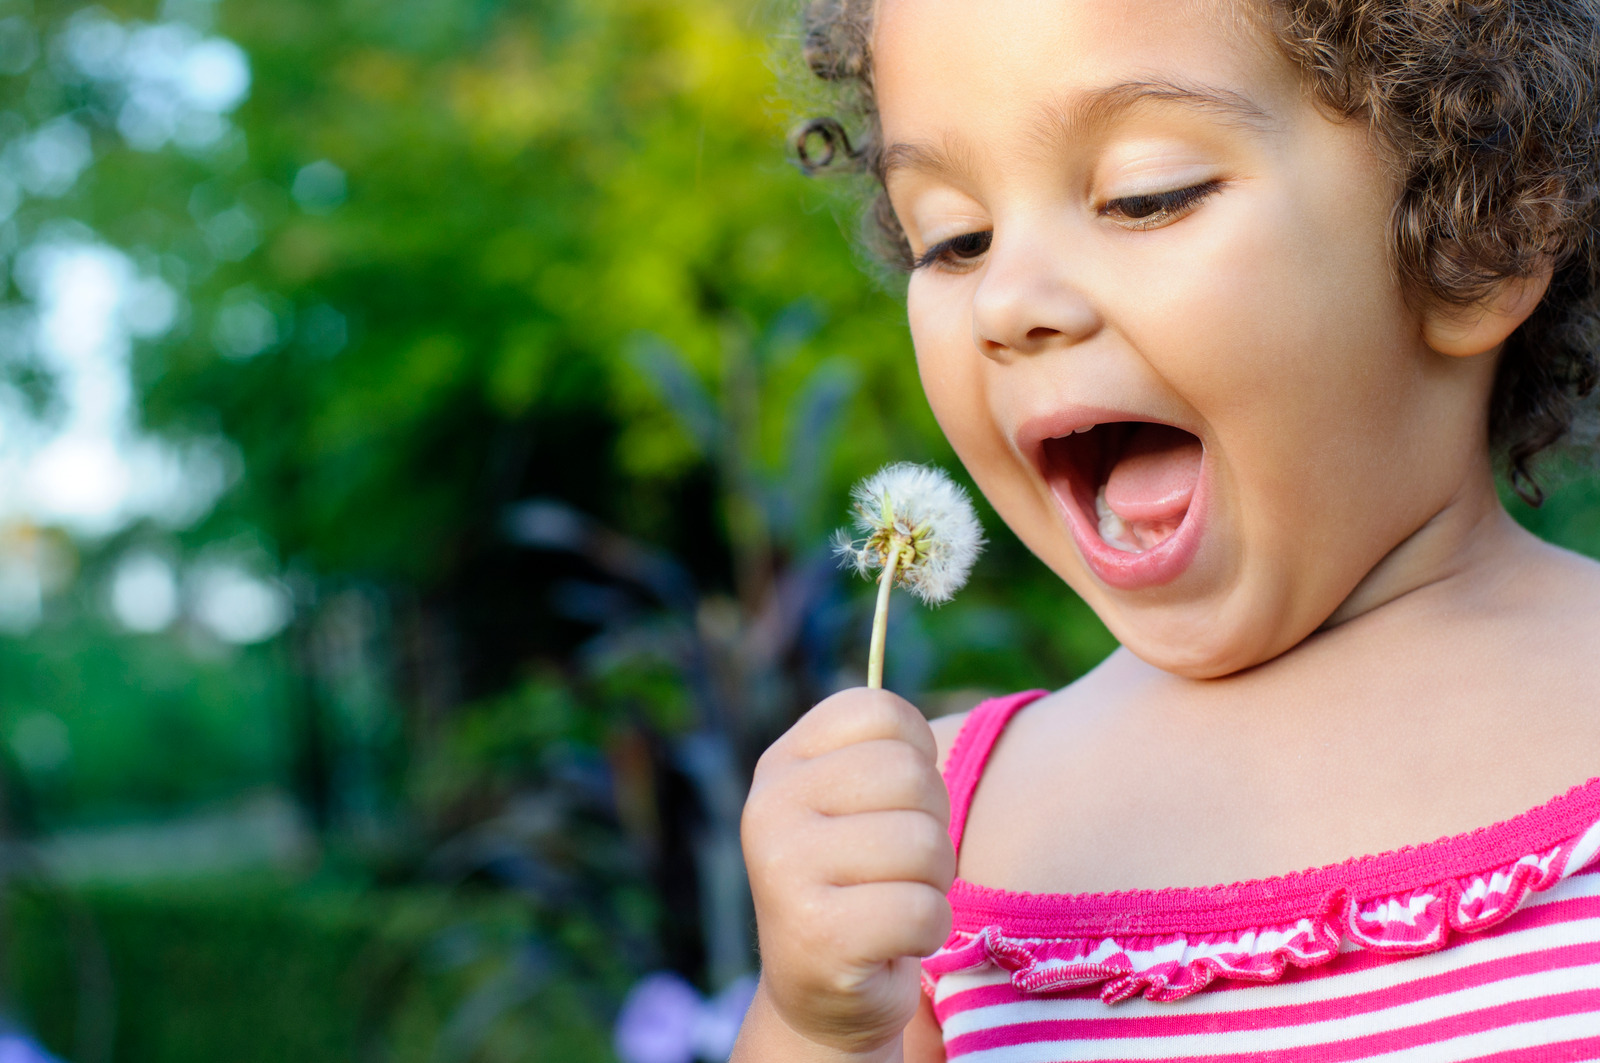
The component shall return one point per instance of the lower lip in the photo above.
(1124, 571)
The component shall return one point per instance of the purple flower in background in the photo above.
(719, 1022)
(18, 1048)
(657, 1021)
(664, 1020)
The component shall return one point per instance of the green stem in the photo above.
(880, 618)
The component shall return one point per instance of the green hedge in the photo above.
(247, 970)
(227, 972)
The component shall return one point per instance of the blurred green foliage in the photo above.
(201, 729)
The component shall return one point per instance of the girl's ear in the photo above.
(1464, 331)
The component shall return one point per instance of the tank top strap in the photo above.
(970, 752)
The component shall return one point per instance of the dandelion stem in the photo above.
(880, 618)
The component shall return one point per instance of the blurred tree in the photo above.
(457, 215)
(411, 274)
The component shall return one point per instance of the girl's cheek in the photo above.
(956, 379)
(947, 359)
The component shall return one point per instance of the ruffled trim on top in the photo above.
(1171, 963)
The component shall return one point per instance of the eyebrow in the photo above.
(1067, 121)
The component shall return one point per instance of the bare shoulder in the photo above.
(948, 727)
(1559, 571)
(1555, 603)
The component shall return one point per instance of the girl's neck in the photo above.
(1466, 549)
(1420, 610)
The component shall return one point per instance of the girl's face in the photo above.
(1155, 315)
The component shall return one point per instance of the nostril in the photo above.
(1030, 342)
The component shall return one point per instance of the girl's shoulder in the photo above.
(991, 716)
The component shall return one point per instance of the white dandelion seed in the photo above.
(918, 527)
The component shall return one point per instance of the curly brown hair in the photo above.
(1488, 114)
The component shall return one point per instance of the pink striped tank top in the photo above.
(1484, 946)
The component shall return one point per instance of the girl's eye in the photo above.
(1158, 208)
(955, 252)
(1133, 212)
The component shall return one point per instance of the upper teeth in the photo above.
(1085, 428)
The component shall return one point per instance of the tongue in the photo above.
(1154, 479)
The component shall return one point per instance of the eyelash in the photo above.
(956, 251)
(1158, 208)
(1163, 206)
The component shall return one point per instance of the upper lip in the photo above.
(1062, 421)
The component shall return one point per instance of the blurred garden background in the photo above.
(420, 426)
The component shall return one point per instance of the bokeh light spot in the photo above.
(245, 327)
(144, 593)
(320, 187)
(41, 742)
(237, 606)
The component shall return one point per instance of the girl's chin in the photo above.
(1197, 639)
(1196, 665)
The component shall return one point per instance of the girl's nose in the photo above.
(1026, 302)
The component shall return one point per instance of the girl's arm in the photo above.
(924, 1040)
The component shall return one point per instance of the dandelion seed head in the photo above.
(917, 509)
(849, 554)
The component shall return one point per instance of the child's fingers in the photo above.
(895, 846)
(893, 919)
(873, 776)
(858, 715)
(846, 843)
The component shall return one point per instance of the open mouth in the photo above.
(1135, 478)
(1128, 489)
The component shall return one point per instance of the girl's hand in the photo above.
(847, 845)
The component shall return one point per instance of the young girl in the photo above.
(1228, 307)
